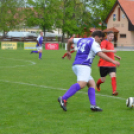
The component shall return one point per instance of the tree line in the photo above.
(71, 16)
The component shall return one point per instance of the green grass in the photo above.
(29, 92)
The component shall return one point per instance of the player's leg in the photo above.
(99, 82)
(40, 52)
(40, 55)
(91, 95)
(103, 73)
(112, 74)
(82, 79)
(72, 51)
(34, 52)
(91, 92)
(70, 92)
(64, 55)
(81, 82)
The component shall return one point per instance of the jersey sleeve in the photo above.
(103, 44)
(75, 40)
(38, 38)
(96, 47)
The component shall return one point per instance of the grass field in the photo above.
(29, 89)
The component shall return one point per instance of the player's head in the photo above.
(98, 36)
(41, 33)
(110, 36)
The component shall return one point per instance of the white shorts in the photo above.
(82, 72)
(39, 48)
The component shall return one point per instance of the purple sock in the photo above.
(34, 51)
(91, 95)
(40, 55)
(71, 91)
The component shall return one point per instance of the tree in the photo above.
(43, 13)
(100, 10)
(71, 16)
(10, 15)
(69, 22)
(74, 16)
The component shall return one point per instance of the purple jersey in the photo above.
(40, 40)
(86, 50)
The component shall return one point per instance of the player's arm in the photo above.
(38, 41)
(96, 48)
(105, 50)
(105, 57)
(69, 43)
(119, 58)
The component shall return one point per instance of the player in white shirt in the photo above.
(39, 45)
(87, 49)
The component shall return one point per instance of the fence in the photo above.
(20, 41)
(20, 45)
(29, 39)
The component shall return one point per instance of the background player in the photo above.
(39, 45)
(87, 49)
(72, 48)
(105, 66)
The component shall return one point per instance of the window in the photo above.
(114, 17)
(122, 35)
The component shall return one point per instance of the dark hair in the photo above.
(98, 33)
(103, 35)
(109, 32)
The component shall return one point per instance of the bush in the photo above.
(20, 45)
(61, 45)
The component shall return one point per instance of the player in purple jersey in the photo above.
(39, 45)
(87, 49)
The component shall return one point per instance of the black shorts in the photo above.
(106, 70)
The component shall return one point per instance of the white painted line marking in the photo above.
(31, 63)
(48, 87)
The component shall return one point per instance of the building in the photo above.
(120, 20)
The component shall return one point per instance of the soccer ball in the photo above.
(130, 102)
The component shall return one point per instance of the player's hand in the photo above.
(116, 63)
(69, 55)
(119, 58)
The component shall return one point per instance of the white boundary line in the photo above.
(31, 63)
(47, 87)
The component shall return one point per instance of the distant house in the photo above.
(120, 20)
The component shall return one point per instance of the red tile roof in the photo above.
(92, 29)
(128, 7)
(111, 29)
